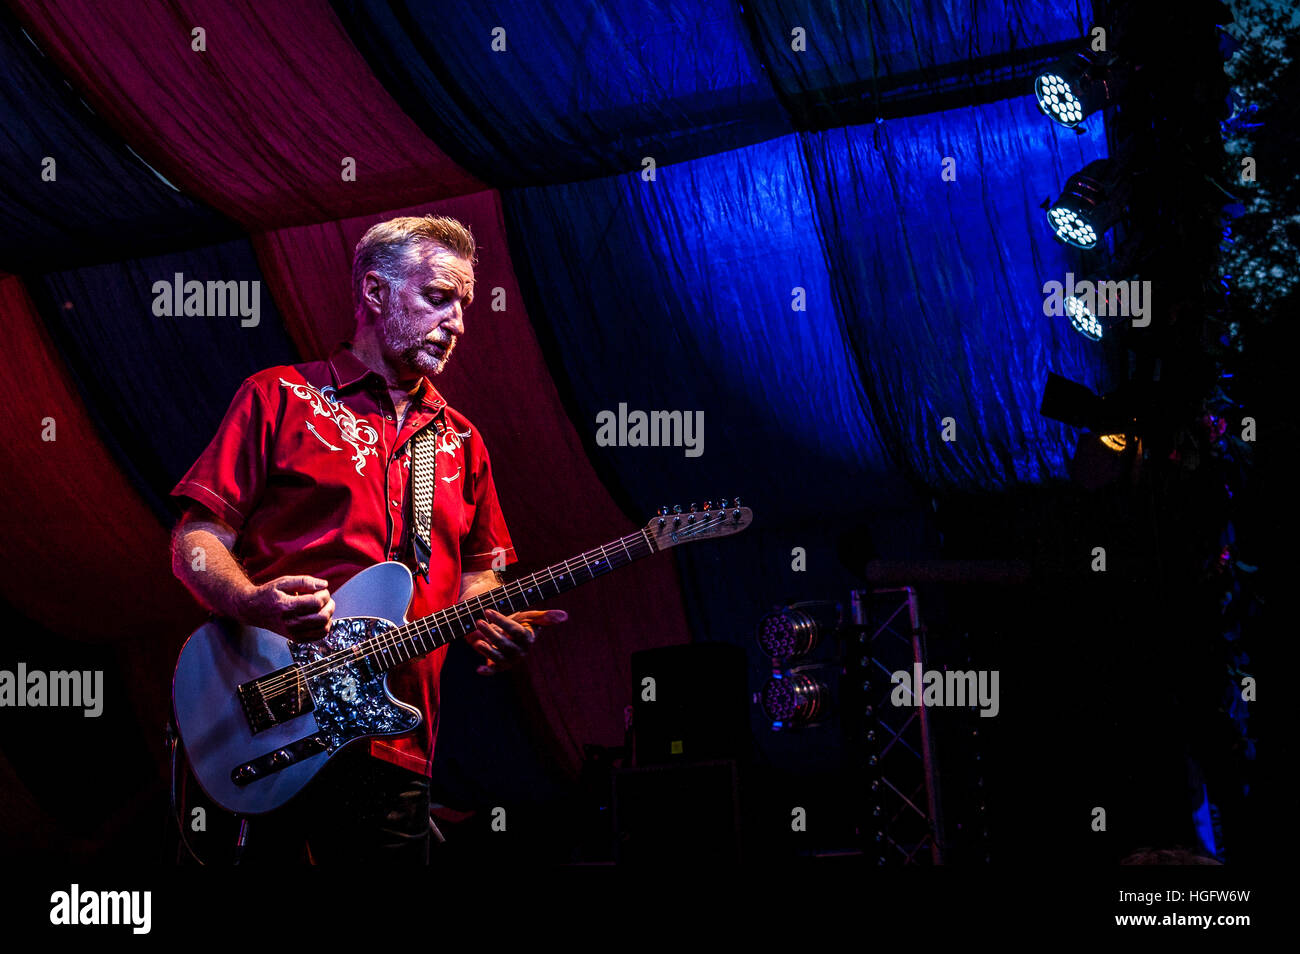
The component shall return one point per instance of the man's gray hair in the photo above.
(386, 247)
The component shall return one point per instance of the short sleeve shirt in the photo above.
(310, 470)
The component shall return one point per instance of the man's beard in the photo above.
(413, 352)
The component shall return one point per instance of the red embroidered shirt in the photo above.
(309, 468)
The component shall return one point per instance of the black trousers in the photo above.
(358, 808)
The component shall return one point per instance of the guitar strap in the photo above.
(424, 466)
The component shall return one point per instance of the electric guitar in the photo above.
(259, 715)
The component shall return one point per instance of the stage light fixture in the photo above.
(1073, 88)
(1083, 320)
(1115, 442)
(794, 699)
(796, 630)
(1091, 202)
(1097, 304)
(1079, 406)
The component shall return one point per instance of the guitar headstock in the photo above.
(710, 521)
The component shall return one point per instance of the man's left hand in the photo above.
(504, 641)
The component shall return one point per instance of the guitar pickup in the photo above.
(280, 759)
(275, 698)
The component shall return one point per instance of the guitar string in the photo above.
(391, 639)
(419, 628)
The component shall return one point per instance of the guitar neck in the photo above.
(423, 636)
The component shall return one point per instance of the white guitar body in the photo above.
(347, 703)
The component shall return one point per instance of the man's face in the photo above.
(424, 315)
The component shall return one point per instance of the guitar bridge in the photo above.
(275, 698)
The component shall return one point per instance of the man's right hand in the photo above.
(297, 607)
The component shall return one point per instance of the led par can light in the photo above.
(797, 629)
(1091, 202)
(793, 699)
(1072, 89)
(1098, 303)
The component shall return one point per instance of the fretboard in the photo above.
(423, 636)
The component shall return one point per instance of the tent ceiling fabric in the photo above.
(260, 123)
(74, 520)
(854, 44)
(157, 386)
(528, 94)
(580, 89)
(76, 194)
(830, 288)
(939, 285)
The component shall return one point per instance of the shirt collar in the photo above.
(348, 370)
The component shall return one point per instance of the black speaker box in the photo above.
(700, 705)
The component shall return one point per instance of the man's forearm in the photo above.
(477, 581)
(210, 572)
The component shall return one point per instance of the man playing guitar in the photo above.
(308, 481)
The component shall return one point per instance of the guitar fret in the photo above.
(420, 637)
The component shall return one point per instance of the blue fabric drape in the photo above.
(158, 387)
(845, 43)
(924, 301)
(703, 291)
(580, 89)
(940, 284)
(103, 203)
(526, 94)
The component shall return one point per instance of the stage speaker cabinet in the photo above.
(668, 814)
(691, 703)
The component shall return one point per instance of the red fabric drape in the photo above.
(259, 124)
(555, 505)
(74, 525)
(82, 555)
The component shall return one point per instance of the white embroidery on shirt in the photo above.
(356, 433)
(449, 442)
(311, 427)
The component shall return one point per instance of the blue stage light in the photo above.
(1076, 87)
(1091, 202)
(1083, 320)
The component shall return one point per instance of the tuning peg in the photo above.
(692, 508)
(663, 511)
(677, 508)
(723, 503)
(708, 505)
(737, 502)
